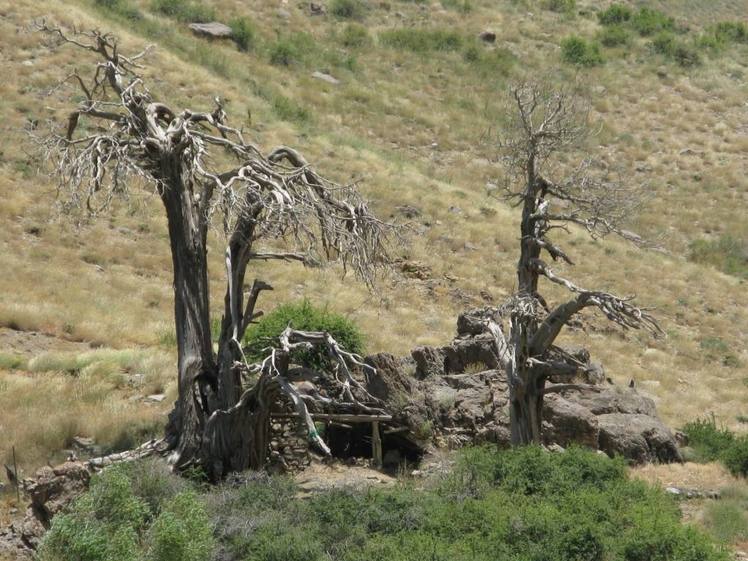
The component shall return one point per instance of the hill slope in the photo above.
(414, 118)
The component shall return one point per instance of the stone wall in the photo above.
(289, 447)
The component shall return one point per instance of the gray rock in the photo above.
(429, 362)
(211, 30)
(638, 437)
(566, 423)
(155, 398)
(325, 77)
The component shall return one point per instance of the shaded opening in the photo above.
(354, 440)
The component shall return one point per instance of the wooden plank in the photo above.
(376, 444)
(339, 417)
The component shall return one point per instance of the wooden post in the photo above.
(376, 444)
(15, 473)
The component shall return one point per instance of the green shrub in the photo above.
(726, 253)
(614, 36)
(667, 44)
(422, 40)
(616, 14)
(288, 110)
(735, 457)
(726, 520)
(243, 33)
(306, 317)
(103, 524)
(461, 6)
(648, 22)
(284, 53)
(348, 9)
(731, 32)
(707, 440)
(189, 11)
(182, 532)
(355, 36)
(581, 52)
(120, 7)
(560, 6)
(154, 483)
(490, 63)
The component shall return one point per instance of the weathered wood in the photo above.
(376, 444)
(363, 418)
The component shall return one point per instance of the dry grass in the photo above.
(409, 127)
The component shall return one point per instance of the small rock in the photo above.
(155, 398)
(408, 211)
(211, 30)
(283, 14)
(487, 36)
(84, 443)
(673, 491)
(325, 77)
(455, 210)
(316, 9)
(28, 63)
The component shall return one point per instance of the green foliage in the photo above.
(707, 440)
(490, 63)
(243, 32)
(103, 524)
(114, 520)
(422, 40)
(726, 520)
(726, 253)
(648, 22)
(348, 9)
(735, 457)
(355, 36)
(560, 6)
(616, 14)
(120, 7)
(182, 532)
(11, 361)
(461, 6)
(711, 443)
(667, 44)
(288, 110)
(306, 317)
(188, 11)
(731, 32)
(579, 51)
(614, 36)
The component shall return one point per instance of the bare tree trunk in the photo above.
(195, 358)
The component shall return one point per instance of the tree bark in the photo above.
(195, 358)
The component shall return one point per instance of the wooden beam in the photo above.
(376, 444)
(347, 417)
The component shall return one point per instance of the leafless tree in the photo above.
(127, 133)
(545, 122)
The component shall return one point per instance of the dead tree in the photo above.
(545, 122)
(120, 131)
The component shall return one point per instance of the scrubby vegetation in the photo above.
(580, 51)
(517, 505)
(710, 442)
(726, 253)
(303, 316)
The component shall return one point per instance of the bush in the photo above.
(560, 6)
(355, 36)
(616, 14)
(182, 532)
(422, 40)
(726, 520)
(731, 32)
(284, 52)
(348, 9)
(726, 253)
(243, 33)
(491, 63)
(707, 440)
(581, 52)
(120, 7)
(188, 11)
(648, 22)
(306, 317)
(735, 457)
(288, 110)
(461, 6)
(668, 45)
(614, 36)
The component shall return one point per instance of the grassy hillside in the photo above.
(414, 118)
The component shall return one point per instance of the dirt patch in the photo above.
(320, 477)
(32, 343)
(689, 475)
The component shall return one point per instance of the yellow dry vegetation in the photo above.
(414, 129)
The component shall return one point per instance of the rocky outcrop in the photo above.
(211, 30)
(461, 396)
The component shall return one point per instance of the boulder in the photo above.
(325, 77)
(479, 351)
(487, 36)
(429, 362)
(211, 30)
(638, 437)
(566, 422)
